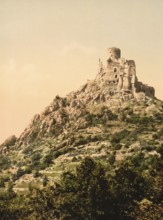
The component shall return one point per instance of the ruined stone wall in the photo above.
(121, 74)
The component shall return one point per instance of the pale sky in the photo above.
(50, 47)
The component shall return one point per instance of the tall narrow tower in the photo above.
(114, 53)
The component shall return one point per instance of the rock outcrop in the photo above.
(10, 141)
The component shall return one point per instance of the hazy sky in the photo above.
(50, 47)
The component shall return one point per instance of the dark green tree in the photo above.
(84, 195)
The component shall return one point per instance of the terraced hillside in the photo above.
(92, 122)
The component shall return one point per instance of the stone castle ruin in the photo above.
(120, 74)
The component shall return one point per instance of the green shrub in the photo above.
(160, 150)
(4, 162)
(117, 146)
(45, 181)
(57, 154)
(118, 136)
(27, 170)
(20, 172)
(35, 158)
(48, 159)
(155, 136)
(2, 182)
(81, 140)
(36, 173)
(111, 158)
(28, 150)
(142, 121)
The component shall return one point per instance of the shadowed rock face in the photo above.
(121, 76)
(10, 141)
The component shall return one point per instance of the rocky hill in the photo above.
(114, 85)
(109, 118)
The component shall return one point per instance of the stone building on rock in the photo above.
(120, 74)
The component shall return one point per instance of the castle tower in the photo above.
(114, 53)
(113, 65)
(120, 76)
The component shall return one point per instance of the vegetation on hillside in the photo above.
(92, 192)
(85, 162)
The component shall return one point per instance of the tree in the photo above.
(128, 187)
(84, 195)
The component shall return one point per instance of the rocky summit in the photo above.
(110, 119)
(115, 84)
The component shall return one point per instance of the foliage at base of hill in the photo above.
(132, 192)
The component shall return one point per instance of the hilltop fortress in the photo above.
(120, 74)
(115, 86)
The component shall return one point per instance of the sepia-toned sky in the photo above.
(50, 47)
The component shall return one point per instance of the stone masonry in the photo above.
(121, 76)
